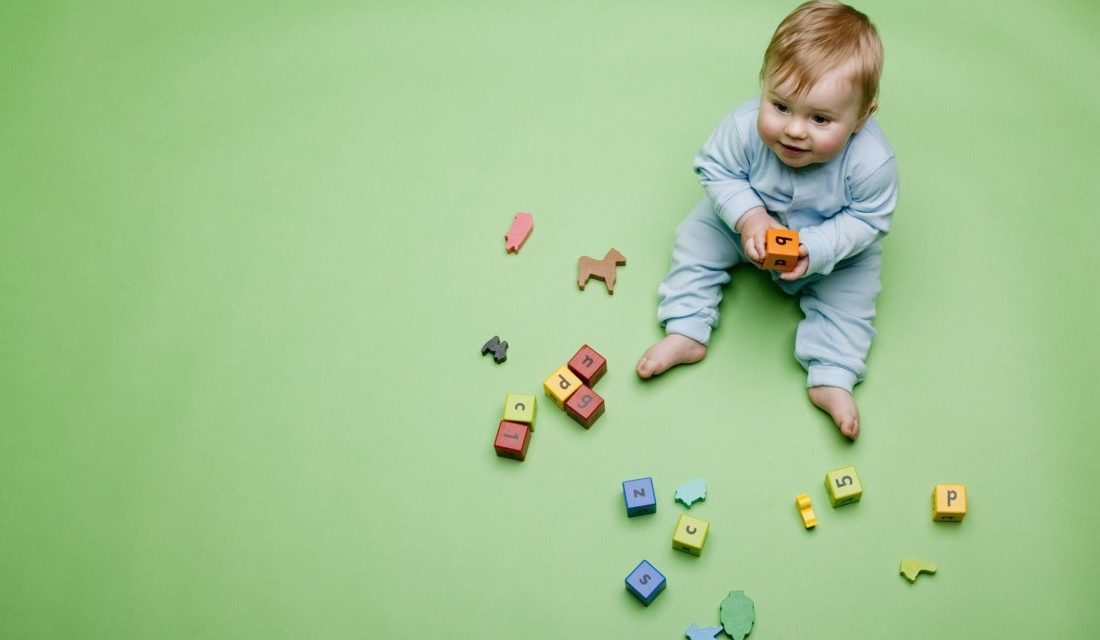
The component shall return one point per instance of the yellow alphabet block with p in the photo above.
(560, 385)
(949, 502)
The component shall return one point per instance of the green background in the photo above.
(250, 251)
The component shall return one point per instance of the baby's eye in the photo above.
(820, 119)
(780, 107)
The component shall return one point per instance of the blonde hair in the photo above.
(818, 37)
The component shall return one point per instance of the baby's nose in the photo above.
(795, 128)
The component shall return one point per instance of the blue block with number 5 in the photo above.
(639, 497)
(645, 582)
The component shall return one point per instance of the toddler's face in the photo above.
(813, 128)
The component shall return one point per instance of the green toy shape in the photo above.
(692, 492)
(911, 567)
(737, 613)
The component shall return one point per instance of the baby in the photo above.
(805, 155)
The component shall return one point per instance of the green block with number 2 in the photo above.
(843, 486)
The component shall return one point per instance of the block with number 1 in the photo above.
(512, 440)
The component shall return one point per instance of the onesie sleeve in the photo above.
(723, 169)
(857, 225)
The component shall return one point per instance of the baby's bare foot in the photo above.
(840, 405)
(670, 351)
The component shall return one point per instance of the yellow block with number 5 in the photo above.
(690, 534)
(843, 486)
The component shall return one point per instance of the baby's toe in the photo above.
(850, 427)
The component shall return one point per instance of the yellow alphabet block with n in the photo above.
(560, 385)
(690, 534)
(949, 502)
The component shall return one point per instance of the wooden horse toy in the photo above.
(601, 269)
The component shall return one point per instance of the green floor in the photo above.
(250, 251)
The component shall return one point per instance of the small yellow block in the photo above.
(520, 407)
(690, 534)
(806, 508)
(949, 502)
(843, 486)
(560, 385)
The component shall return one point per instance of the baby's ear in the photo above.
(870, 112)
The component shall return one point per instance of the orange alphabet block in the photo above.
(781, 249)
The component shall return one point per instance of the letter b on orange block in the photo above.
(781, 249)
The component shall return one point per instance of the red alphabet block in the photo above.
(584, 406)
(588, 365)
(512, 440)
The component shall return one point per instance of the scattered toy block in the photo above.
(496, 347)
(911, 567)
(690, 534)
(737, 614)
(843, 486)
(560, 385)
(512, 440)
(522, 225)
(645, 582)
(520, 407)
(781, 249)
(640, 497)
(949, 502)
(600, 269)
(588, 365)
(691, 492)
(708, 633)
(584, 406)
(806, 508)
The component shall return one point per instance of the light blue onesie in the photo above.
(841, 209)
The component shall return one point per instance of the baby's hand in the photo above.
(754, 227)
(800, 267)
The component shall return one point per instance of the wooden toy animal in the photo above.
(600, 269)
(522, 225)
